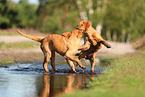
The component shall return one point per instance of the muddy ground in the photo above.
(14, 57)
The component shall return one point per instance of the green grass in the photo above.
(21, 45)
(6, 61)
(142, 52)
(124, 78)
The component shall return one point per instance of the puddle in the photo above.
(30, 80)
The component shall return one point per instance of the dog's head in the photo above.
(83, 25)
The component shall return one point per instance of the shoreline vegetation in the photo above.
(124, 78)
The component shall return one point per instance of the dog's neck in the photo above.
(79, 29)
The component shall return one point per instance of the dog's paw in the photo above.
(93, 72)
(83, 67)
(73, 71)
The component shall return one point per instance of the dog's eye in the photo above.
(82, 25)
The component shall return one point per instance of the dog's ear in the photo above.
(79, 34)
(87, 24)
(67, 34)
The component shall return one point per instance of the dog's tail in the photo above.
(29, 36)
(106, 44)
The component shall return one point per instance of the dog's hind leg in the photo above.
(92, 61)
(47, 55)
(46, 59)
(82, 54)
(53, 60)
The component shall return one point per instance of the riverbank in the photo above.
(124, 78)
(14, 56)
(16, 48)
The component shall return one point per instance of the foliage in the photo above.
(17, 15)
(7, 14)
(26, 14)
(57, 16)
(126, 15)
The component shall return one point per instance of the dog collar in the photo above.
(79, 29)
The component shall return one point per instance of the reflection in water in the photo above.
(28, 84)
(56, 85)
(30, 80)
(46, 87)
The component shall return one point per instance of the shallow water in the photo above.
(30, 80)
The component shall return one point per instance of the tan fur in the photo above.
(66, 47)
(94, 37)
(66, 34)
(93, 43)
(29, 36)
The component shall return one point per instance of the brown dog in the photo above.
(64, 46)
(93, 42)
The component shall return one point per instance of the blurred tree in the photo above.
(57, 16)
(118, 20)
(22, 14)
(125, 18)
(26, 14)
(7, 14)
(135, 25)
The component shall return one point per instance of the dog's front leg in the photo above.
(85, 46)
(69, 56)
(71, 65)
